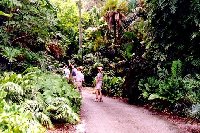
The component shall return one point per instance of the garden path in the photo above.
(115, 116)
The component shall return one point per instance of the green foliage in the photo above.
(169, 38)
(95, 17)
(32, 23)
(31, 56)
(69, 10)
(36, 14)
(14, 120)
(41, 96)
(54, 88)
(14, 91)
(113, 5)
(132, 4)
(128, 51)
(10, 53)
(174, 30)
(112, 86)
(172, 92)
(91, 62)
(60, 110)
(176, 68)
(5, 14)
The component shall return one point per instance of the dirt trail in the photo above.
(114, 116)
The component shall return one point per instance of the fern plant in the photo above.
(45, 96)
(14, 92)
(10, 53)
(59, 110)
(14, 119)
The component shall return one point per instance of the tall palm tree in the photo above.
(114, 13)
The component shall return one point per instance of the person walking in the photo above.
(66, 72)
(99, 82)
(79, 79)
(73, 74)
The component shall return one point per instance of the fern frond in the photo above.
(44, 119)
(14, 91)
(31, 105)
(10, 53)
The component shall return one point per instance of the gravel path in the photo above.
(114, 116)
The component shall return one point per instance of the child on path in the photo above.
(99, 82)
(79, 79)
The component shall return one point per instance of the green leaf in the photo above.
(5, 14)
(154, 96)
(10, 53)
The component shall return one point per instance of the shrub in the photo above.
(38, 96)
(176, 94)
(14, 119)
(112, 86)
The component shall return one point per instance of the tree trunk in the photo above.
(80, 30)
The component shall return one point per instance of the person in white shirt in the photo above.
(79, 79)
(66, 72)
(99, 82)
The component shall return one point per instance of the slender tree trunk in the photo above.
(80, 29)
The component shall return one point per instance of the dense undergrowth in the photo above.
(173, 80)
(177, 94)
(34, 100)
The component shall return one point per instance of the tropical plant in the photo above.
(44, 97)
(173, 92)
(10, 53)
(14, 119)
(113, 13)
(112, 86)
(172, 43)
